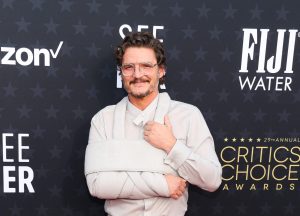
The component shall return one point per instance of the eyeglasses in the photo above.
(144, 67)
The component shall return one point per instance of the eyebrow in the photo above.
(137, 62)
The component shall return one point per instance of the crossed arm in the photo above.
(132, 185)
(198, 166)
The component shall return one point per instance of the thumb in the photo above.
(167, 121)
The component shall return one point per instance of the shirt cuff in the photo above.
(178, 154)
(165, 187)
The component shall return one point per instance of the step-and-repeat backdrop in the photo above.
(238, 61)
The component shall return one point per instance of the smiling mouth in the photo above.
(139, 82)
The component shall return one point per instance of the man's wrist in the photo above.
(178, 154)
(170, 145)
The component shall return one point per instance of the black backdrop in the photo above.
(204, 43)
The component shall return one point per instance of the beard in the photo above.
(138, 94)
(153, 86)
(141, 95)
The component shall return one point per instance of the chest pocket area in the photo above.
(180, 133)
(182, 140)
(180, 129)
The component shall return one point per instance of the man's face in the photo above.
(140, 85)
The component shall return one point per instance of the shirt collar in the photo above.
(142, 116)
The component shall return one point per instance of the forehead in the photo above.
(139, 54)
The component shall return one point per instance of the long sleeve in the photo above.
(114, 185)
(196, 161)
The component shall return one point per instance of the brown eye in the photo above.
(146, 66)
(127, 67)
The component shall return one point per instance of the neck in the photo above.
(142, 103)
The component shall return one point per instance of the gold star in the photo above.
(250, 139)
(234, 140)
(242, 139)
(226, 139)
(258, 139)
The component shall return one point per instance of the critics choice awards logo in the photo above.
(260, 163)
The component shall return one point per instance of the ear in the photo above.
(161, 71)
(121, 75)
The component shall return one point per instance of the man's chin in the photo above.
(140, 94)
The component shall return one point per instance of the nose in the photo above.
(137, 72)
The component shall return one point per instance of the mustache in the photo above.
(139, 80)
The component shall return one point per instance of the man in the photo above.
(143, 151)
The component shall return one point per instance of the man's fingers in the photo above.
(146, 133)
(177, 194)
(174, 196)
(182, 185)
(177, 185)
(181, 188)
(149, 123)
(167, 121)
(147, 138)
(147, 127)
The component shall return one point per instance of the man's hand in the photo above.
(176, 186)
(160, 135)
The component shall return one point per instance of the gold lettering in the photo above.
(225, 187)
(251, 172)
(222, 156)
(297, 154)
(274, 169)
(242, 155)
(275, 152)
(223, 167)
(239, 186)
(278, 186)
(241, 172)
(266, 186)
(252, 187)
(293, 172)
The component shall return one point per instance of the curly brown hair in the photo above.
(142, 39)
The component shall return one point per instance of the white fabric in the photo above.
(146, 193)
(120, 154)
(125, 155)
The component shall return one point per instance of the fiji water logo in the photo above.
(273, 73)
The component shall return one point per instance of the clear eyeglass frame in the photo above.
(144, 67)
